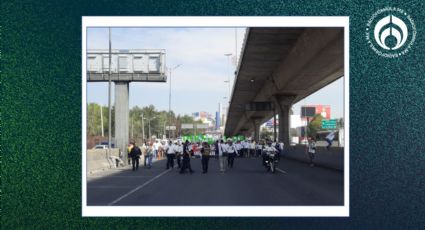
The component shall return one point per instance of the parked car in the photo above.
(100, 147)
(106, 144)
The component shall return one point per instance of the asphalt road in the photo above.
(248, 183)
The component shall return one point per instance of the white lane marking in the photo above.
(282, 171)
(117, 176)
(138, 187)
(108, 187)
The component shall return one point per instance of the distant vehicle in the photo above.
(106, 144)
(100, 147)
(304, 142)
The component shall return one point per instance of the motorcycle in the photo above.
(270, 160)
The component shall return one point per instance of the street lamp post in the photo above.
(109, 98)
(149, 124)
(228, 73)
(169, 100)
(143, 127)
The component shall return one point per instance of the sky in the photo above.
(199, 83)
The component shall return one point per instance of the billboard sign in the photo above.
(308, 111)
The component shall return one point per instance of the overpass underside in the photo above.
(282, 66)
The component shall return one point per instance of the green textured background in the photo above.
(41, 116)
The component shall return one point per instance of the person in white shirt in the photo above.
(259, 148)
(252, 146)
(311, 150)
(179, 154)
(222, 156)
(239, 147)
(155, 149)
(245, 148)
(281, 145)
(231, 152)
(170, 150)
(143, 147)
(267, 149)
(329, 138)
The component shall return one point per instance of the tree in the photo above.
(315, 125)
(266, 133)
(186, 119)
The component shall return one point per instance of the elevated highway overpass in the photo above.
(282, 66)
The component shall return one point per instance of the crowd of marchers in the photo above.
(179, 153)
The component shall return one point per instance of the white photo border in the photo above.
(217, 211)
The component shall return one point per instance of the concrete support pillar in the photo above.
(121, 117)
(284, 125)
(283, 105)
(256, 124)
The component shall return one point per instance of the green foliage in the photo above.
(315, 125)
(158, 121)
(266, 134)
(94, 120)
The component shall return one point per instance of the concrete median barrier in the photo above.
(97, 159)
(332, 158)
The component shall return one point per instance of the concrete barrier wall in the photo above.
(333, 158)
(97, 159)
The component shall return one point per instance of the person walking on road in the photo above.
(222, 154)
(143, 149)
(281, 147)
(217, 149)
(186, 159)
(259, 148)
(231, 152)
(239, 147)
(311, 150)
(205, 153)
(129, 148)
(329, 138)
(155, 149)
(179, 154)
(135, 155)
(171, 153)
(149, 154)
(245, 149)
(252, 146)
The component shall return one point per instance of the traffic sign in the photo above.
(329, 124)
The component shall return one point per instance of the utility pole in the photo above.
(149, 121)
(109, 98)
(101, 119)
(143, 127)
(228, 74)
(132, 128)
(169, 100)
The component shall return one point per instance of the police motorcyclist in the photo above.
(268, 149)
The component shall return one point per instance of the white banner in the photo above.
(202, 126)
(187, 126)
(170, 128)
